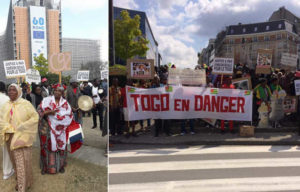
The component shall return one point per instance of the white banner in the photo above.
(297, 87)
(223, 66)
(38, 25)
(104, 74)
(175, 102)
(290, 60)
(14, 68)
(83, 75)
(33, 76)
(186, 77)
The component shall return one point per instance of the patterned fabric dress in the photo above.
(53, 134)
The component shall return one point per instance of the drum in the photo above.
(85, 103)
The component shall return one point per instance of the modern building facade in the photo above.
(33, 28)
(83, 51)
(145, 27)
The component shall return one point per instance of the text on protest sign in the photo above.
(297, 87)
(83, 75)
(223, 66)
(289, 60)
(33, 76)
(186, 77)
(104, 74)
(14, 68)
(176, 102)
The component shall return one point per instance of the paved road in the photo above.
(204, 168)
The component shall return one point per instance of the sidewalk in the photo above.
(94, 145)
(212, 136)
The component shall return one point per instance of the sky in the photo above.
(183, 28)
(79, 20)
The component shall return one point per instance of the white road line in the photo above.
(203, 164)
(214, 185)
(199, 150)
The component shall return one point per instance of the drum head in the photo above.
(85, 103)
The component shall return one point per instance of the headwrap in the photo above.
(18, 89)
(44, 80)
(59, 87)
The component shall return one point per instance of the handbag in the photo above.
(75, 136)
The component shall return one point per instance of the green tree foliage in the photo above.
(41, 64)
(129, 41)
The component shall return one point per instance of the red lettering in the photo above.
(155, 107)
(185, 105)
(206, 103)
(241, 105)
(224, 108)
(232, 102)
(146, 106)
(165, 106)
(135, 98)
(200, 99)
(177, 105)
(215, 104)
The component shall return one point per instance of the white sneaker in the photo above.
(5, 177)
(192, 133)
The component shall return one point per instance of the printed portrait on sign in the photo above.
(242, 83)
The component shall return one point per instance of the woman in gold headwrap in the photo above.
(19, 123)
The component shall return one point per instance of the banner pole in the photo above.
(59, 77)
(221, 80)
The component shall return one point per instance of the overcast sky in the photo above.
(183, 27)
(80, 19)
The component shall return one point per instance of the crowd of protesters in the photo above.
(262, 85)
(51, 111)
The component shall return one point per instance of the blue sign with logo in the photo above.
(38, 34)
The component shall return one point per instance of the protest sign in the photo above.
(186, 77)
(104, 74)
(242, 83)
(83, 75)
(223, 66)
(14, 68)
(33, 76)
(264, 61)
(59, 62)
(140, 68)
(290, 104)
(289, 61)
(176, 102)
(297, 87)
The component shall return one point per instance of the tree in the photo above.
(41, 64)
(129, 41)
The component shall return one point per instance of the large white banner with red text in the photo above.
(176, 102)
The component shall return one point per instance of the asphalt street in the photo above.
(148, 168)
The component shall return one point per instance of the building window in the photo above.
(231, 41)
(278, 36)
(267, 27)
(244, 30)
(231, 31)
(254, 39)
(255, 29)
(279, 26)
(267, 38)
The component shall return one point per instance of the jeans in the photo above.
(183, 130)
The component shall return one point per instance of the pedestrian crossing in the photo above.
(206, 168)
